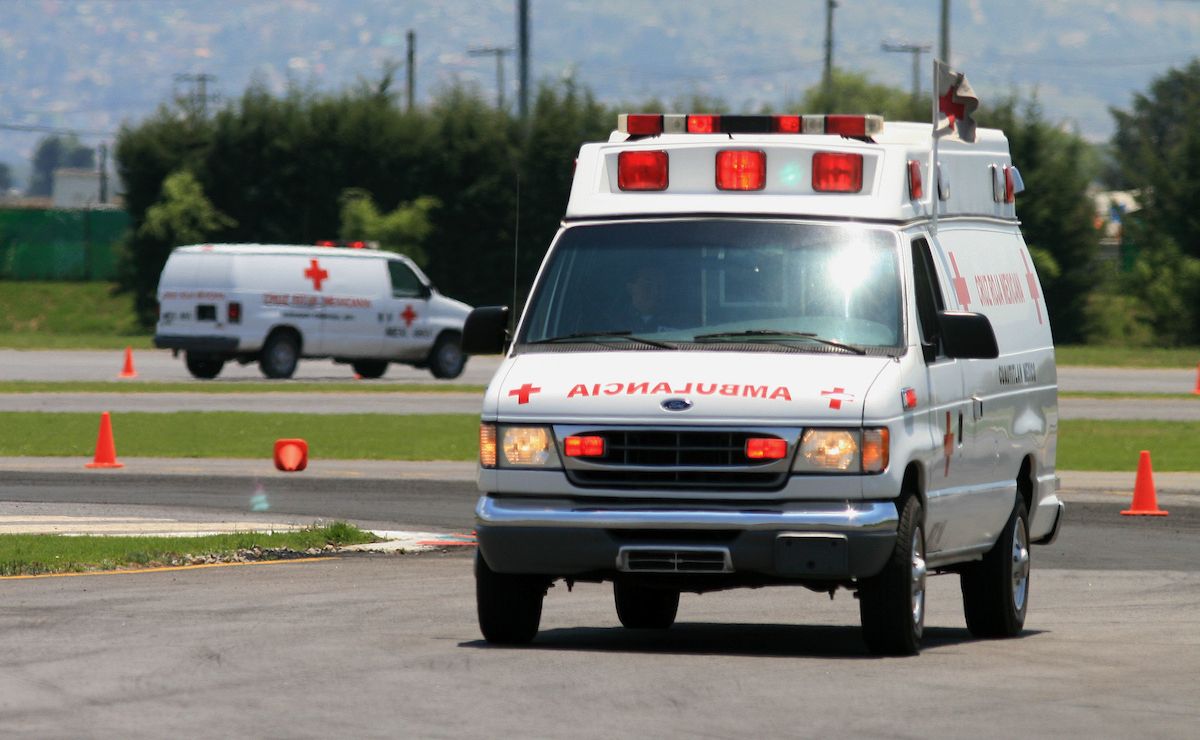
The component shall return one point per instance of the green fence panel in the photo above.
(50, 244)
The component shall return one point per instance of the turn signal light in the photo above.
(642, 170)
(837, 172)
(875, 450)
(766, 448)
(739, 169)
(590, 446)
(487, 445)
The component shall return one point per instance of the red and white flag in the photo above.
(956, 101)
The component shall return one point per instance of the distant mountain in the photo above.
(90, 65)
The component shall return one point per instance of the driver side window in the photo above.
(929, 299)
(405, 284)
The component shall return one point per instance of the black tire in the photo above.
(279, 355)
(892, 603)
(446, 359)
(370, 369)
(996, 590)
(509, 606)
(639, 607)
(204, 367)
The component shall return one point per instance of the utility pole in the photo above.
(944, 46)
(199, 96)
(827, 80)
(104, 172)
(411, 70)
(499, 52)
(523, 58)
(916, 51)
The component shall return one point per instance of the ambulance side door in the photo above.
(406, 326)
(946, 485)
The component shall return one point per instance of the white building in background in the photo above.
(76, 188)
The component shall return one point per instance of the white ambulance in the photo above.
(278, 303)
(752, 357)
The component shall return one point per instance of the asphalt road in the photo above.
(386, 646)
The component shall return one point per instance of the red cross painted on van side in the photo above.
(837, 397)
(1031, 281)
(316, 274)
(408, 315)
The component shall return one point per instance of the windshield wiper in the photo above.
(808, 335)
(625, 334)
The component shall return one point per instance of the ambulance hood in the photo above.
(683, 387)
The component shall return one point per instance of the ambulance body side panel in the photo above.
(1010, 403)
(270, 287)
(193, 292)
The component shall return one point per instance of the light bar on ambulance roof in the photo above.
(652, 124)
(348, 243)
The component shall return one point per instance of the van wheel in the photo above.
(509, 606)
(996, 590)
(639, 607)
(204, 367)
(279, 355)
(370, 368)
(892, 603)
(447, 360)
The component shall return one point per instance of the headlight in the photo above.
(516, 447)
(842, 451)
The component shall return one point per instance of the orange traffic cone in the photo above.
(1145, 500)
(128, 371)
(1197, 390)
(106, 451)
(291, 455)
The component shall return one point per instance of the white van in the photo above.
(753, 358)
(278, 303)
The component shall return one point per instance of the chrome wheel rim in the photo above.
(1020, 565)
(918, 573)
(449, 356)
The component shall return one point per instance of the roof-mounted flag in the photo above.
(956, 101)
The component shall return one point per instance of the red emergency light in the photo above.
(233, 312)
(587, 446)
(837, 172)
(741, 169)
(766, 448)
(653, 124)
(642, 170)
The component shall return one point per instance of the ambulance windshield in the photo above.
(720, 283)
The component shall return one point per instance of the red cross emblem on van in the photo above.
(837, 397)
(316, 274)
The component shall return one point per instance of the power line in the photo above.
(34, 128)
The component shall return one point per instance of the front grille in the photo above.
(695, 459)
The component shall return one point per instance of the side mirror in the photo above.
(485, 332)
(967, 336)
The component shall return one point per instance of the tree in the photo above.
(404, 230)
(183, 215)
(1157, 148)
(52, 153)
(855, 93)
(6, 181)
(1055, 210)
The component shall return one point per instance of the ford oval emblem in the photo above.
(676, 404)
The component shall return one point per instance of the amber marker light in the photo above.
(487, 445)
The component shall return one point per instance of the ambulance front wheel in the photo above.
(447, 360)
(509, 606)
(204, 367)
(279, 355)
(996, 589)
(892, 603)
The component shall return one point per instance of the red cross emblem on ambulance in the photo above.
(409, 315)
(837, 397)
(316, 274)
(524, 392)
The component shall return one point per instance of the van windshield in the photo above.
(720, 283)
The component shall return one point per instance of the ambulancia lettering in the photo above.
(646, 388)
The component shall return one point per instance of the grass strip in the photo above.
(239, 434)
(49, 340)
(217, 386)
(1105, 356)
(1088, 444)
(36, 554)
